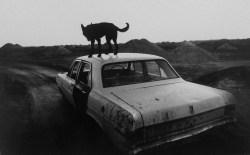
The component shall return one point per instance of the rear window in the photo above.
(133, 72)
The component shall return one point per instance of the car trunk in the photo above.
(166, 103)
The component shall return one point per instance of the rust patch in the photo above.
(157, 99)
(121, 120)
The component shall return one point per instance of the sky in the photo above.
(57, 22)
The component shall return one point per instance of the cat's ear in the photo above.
(82, 27)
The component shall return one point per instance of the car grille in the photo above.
(164, 129)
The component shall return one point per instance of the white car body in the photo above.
(145, 115)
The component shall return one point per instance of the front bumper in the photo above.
(175, 136)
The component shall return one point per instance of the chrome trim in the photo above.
(183, 134)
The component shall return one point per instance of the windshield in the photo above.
(125, 73)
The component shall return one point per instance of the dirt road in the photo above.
(34, 120)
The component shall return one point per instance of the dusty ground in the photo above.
(35, 120)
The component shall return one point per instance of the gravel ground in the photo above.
(35, 120)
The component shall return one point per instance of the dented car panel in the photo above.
(171, 101)
(122, 116)
(179, 135)
(156, 108)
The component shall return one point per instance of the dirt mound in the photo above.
(167, 45)
(34, 52)
(227, 46)
(58, 50)
(188, 52)
(11, 46)
(143, 46)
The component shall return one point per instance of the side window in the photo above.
(73, 72)
(166, 70)
(84, 74)
(153, 68)
(137, 67)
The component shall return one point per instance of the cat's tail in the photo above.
(124, 29)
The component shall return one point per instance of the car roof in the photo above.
(120, 57)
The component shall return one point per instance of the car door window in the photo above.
(137, 67)
(84, 74)
(74, 69)
(153, 68)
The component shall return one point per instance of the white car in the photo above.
(141, 102)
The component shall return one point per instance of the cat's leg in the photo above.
(116, 47)
(99, 46)
(92, 48)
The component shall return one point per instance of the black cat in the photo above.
(97, 31)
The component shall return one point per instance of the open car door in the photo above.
(82, 87)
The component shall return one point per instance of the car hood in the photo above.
(162, 103)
